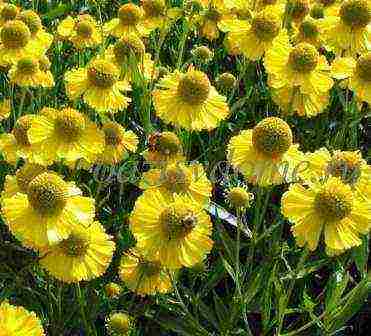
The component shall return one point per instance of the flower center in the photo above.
(167, 143)
(268, 2)
(363, 67)
(74, 246)
(47, 194)
(176, 180)
(355, 13)
(26, 174)
(130, 45)
(27, 66)
(212, 14)
(84, 29)
(346, 166)
(129, 14)
(32, 21)
(69, 125)
(298, 9)
(327, 3)
(238, 197)
(194, 87)
(15, 35)
(266, 26)
(308, 29)
(153, 8)
(272, 137)
(112, 134)
(334, 202)
(177, 223)
(303, 58)
(9, 12)
(20, 129)
(102, 74)
(317, 11)
(149, 268)
(119, 323)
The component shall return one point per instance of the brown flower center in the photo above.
(194, 87)
(355, 13)
(154, 8)
(303, 58)
(32, 21)
(298, 9)
(177, 223)
(266, 26)
(129, 14)
(363, 67)
(15, 35)
(102, 74)
(74, 246)
(69, 125)
(346, 166)
(20, 129)
(112, 134)
(26, 174)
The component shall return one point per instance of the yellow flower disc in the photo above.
(194, 87)
(84, 29)
(20, 129)
(15, 34)
(355, 13)
(266, 26)
(9, 12)
(272, 137)
(363, 67)
(69, 124)
(175, 179)
(317, 11)
(32, 20)
(119, 323)
(74, 246)
(298, 9)
(303, 58)
(127, 46)
(112, 134)
(26, 174)
(27, 66)
(102, 74)
(129, 14)
(166, 143)
(346, 166)
(309, 29)
(177, 223)
(47, 194)
(239, 197)
(153, 8)
(334, 202)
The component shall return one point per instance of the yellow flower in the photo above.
(142, 276)
(112, 290)
(243, 9)
(119, 324)
(300, 66)
(329, 207)
(17, 145)
(174, 232)
(47, 212)
(292, 101)
(266, 154)
(297, 10)
(129, 55)
(163, 148)
(129, 21)
(348, 166)
(99, 85)
(196, 102)
(8, 12)
(5, 108)
(357, 73)
(255, 38)
(181, 179)
(118, 143)
(310, 31)
(239, 198)
(348, 31)
(66, 135)
(27, 72)
(84, 254)
(82, 31)
(39, 37)
(17, 321)
(16, 43)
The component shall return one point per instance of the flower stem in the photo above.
(80, 299)
(182, 43)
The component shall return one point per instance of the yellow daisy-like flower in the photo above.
(198, 104)
(266, 155)
(357, 73)
(239, 198)
(297, 10)
(310, 31)
(293, 101)
(329, 207)
(8, 12)
(39, 37)
(47, 212)
(84, 255)
(19, 182)
(163, 148)
(27, 72)
(17, 321)
(16, 43)
(99, 85)
(118, 143)
(129, 21)
(17, 145)
(142, 276)
(348, 31)
(119, 324)
(113, 290)
(129, 55)
(82, 31)
(5, 108)
(298, 67)
(348, 166)
(174, 232)
(255, 38)
(66, 135)
(178, 178)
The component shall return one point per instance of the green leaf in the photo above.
(360, 256)
(335, 288)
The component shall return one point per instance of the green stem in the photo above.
(82, 310)
(182, 43)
